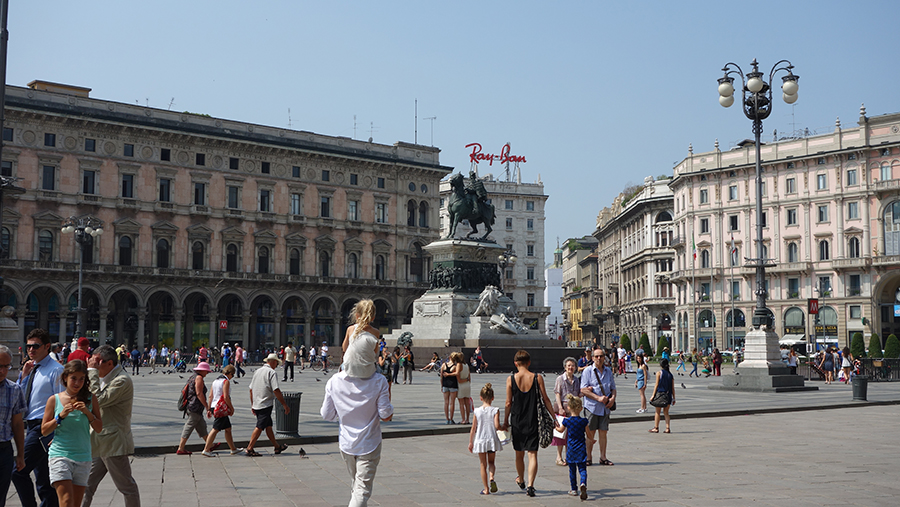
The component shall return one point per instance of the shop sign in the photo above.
(828, 330)
(794, 330)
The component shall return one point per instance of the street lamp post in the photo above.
(504, 260)
(86, 228)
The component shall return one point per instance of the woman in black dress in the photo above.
(523, 391)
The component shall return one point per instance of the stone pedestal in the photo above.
(762, 369)
(9, 335)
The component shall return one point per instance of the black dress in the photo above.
(523, 416)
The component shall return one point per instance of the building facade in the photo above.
(831, 222)
(519, 226)
(580, 296)
(553, 294)
(214, 230)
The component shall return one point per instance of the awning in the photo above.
(792, 339)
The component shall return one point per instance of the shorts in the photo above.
(221, 423)
(449, 389)
(264, 417)
(64, 469)
(599, 422)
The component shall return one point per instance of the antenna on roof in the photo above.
(372, 128)
(289, 117)
(171, 103)
(416, 134)
(354, 126)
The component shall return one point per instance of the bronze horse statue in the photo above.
(469, 204)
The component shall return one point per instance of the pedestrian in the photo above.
(793, 358)
(565, 384)
(290, 354)
(524, 390)
(598, 386)
(695, 358)
(681, 361)
(359, 406)
(12, 425)
(434, 363)
(54, 353)
(717, 362)
(135, 361)
(574, 426)
(464, 394)
(408, 364)
(64, 353)
(164, 355)
(197, 407)
(203, 354)
(621, 355)
(39, 379)
(301, 356)
(69, 417)
(312, 354)
(664, 389)
(395, 357)
(585, 361)
(323, 351)
(82, 352)
(360, 345)
(846, 364)
(450, 387)
(220, 401)
(641, 382)
(483, 439)
(152, 359)
(113, 389)
(239, 361)
(385, 366)
(263, 392)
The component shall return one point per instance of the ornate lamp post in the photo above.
(86, 228)
(504, 260)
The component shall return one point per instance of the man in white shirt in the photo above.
(620, 352)
(323, 350)
(263, 392)
(289, 353)
(164, 354)
(359, 405)
(153, 357)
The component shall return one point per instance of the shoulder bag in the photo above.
(661, 398)
(613, 407)
(546, 421)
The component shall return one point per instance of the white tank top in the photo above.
(217, 387)
(359, 361)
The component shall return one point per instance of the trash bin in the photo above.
(287, 424)
(860, 385)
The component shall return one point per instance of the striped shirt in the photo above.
(12, 402)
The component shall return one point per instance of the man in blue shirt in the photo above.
(598, 385)
(584, 362)
(40, 380)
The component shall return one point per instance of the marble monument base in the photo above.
(762, 369)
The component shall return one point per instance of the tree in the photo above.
(663, 343)
(892, 347)
(875, 347)
(645, 344)
(857, 346)
(625, 341)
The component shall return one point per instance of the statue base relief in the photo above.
(762, 369)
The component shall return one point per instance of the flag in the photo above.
(733, 248)
(694, 244)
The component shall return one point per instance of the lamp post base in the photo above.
(763, 370)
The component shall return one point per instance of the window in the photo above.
(530, 224)
(530, 251)
(352, 266)
(265, 204)
(885, 152)
(424, 188)
(234, 163)
(88, 182)
(297, 204)
(380, 182)
(529, 206)
(90, 145)
(197, 255)
(265, 167)
(792, 216)
(824, 251)
(704, 293)
(824, 286)
(234, 197)
(162, 253)
(820, 161)
(263, 260)
(354, 179)
(231, 258)
(423, 214)
(885, 172)
(4, 243)
(851, 156)
(200, 159)
(891, 229)
(128, 186)
(7, 134)
(854, 285)
(793, 255)
(855, 312)
(704, 196)
(326, 175)
(200, 194)
(790, 186)
(125, 245)
(295, 261)
(381, 213)
(325, 207)
(823, 213)
(165, 154)
(529, 299)
(853, 248)
(508, 204)
(851, 177)
(763, 221)
(295, 171)
(821, 182)
(509, 223)
(793, 288)
(733, 223)
(735, 290)
(45, 246)
(732, 193)
(128, 151)
(704, 226)
(529, 273)
(6, 168)
(704, 258)
(379, 267)
(852, 210)
(48, 177)
(50, 140)
(411, 209)
(790, 165)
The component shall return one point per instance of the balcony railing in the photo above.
(886, 260)
(853, 263)
(790, 267)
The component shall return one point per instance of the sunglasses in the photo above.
(34, 345)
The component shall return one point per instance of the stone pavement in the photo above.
(809, 458)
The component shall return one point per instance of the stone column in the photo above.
(104, 314)
(62, 328)
(213, 330)
(307, 327)
(279, 338)
(178, 341)
(337, 332)
(246, 328)
(141, 338)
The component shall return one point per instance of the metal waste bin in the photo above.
(860, 385)
(287, 424)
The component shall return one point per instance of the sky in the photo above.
(596, 95)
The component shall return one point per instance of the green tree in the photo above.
(892, 347)
(625, 341)
(875, 347)
(645, 344)
(663, 343)
(857, 346)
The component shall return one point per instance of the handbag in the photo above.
(221, 409)
(660, 399)
(546, 422)
(613, 407)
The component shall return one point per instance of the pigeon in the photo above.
(318, 380)
(682, 386)
(235, 381)
(180, 376)
(302, 453)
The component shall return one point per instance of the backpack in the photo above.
(185, 397)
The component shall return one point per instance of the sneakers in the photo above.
(583, 492)
(208, 454)
(641, 410)
(183, 452)
(573, 493)
(237, 451)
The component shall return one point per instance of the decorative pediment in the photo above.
(823, 234)
(164, 226)
(382, 246)
(295, 239)
(325, 241)
(793, 237)
(704, 244)
(45, 217)
(199, 231)
(354, 243)
(234, 233)
(126, 226)
(11, 216)
(265, 237)
(853, 230)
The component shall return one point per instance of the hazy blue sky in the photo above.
(594, 94)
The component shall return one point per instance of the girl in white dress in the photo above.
(483, 438)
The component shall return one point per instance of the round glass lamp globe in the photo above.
(726, 89)
(790, 87)
(726, 101)
(790, 99)
(755, 84)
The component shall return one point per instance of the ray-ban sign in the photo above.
(504, 156)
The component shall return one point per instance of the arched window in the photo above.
(824, 251)
(853, 248)
(704, 258)
(295, 261)
(125, 251)
(665, 216)
(706, 319)
(324, 263)
(45, 246)
(736, 320)
(423, 214)
(411, 213)
(885, 171)
(892, 229)
(4, 243)
(794, 317)
(263, 261)
(197, 255)
(352, 266)
(792, 252)
(231, 258)
(379, 267)
(162, 253)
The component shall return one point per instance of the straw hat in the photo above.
(273, 357)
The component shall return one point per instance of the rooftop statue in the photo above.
(469, 203)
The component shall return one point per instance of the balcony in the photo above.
(883, 261)
(677, 242)
(235, 213)
(90, 199)
(543, 310)
(199, 209)
(265, 216)
(851, 264)
(164, 207)
(298, 219)
(47, 195)
(790, 267)
(882, 187)
(127, 203)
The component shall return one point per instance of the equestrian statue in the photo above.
(469, 204)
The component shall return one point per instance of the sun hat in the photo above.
(273, 357)
(204, 366)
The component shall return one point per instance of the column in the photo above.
(104, 314)
(213, 330)
(178, 341)
(278, 334)
(337, 332)
(245, 336)
(307, 327)
(62, 328)
(141, 338)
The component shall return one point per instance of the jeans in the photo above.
(288, 365)
(694, 371)
(396, 371)
(407, 372)
(36, 461)
(239, 372)
(362, 474)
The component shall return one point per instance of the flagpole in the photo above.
(731, 289)
(694, 295)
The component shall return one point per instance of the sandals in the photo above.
(281, 448)
(521, 485)
(667, 431)
(560, 462)
(529, 491)
(605, 462)
(252, 453)
(493, 486)
(484, 492)
(653, 430)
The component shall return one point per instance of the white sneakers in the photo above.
(237, 451)
(641, 410)
(208, 454)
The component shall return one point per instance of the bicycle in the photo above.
(317, 364)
